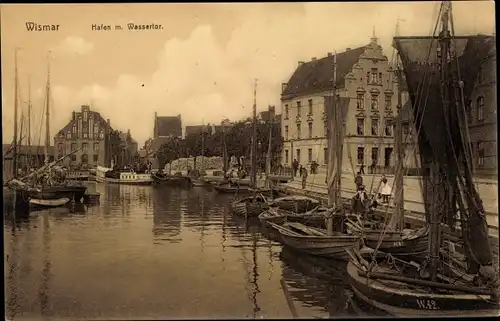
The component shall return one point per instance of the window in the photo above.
(96, 129)
(360, 126)
(368, 77)
(85, 147)
(286, 132)
(96, 158)
(286, 111)
(73, 147)
(96, 147)
(73, 157)
(388, 102)
(310, 130)
(101, 134)
(374, 156)
(360, 101)
(361, 155)
(374, 127)
(85, 135)
(298, 131)
(310, 155)
(374, 76)
(60, 147)
(85, 115)
(325, 156)
(480, 108)
(325, 128)
(74, 128)
(374, 103)
(380, 78)
(310, 106)
(469, 111)
(286, 156)
(68, 135)
(480, 153)
(298, 155)
(388, 127)
(406, 129)
(298, 108)
(480, 75)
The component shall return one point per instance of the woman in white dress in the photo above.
(385, 190)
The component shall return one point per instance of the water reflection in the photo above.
(167, 209)
(181, 251)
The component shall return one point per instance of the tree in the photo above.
(116, 146)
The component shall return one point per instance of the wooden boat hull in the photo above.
(248, 207)
(173, 181)
(326, 246)
(416, 247)
(48, 203)
(405, 302)
(53, 193)
(224, 189)
(316, 220)
(296, 204)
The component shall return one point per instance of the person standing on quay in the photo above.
(295, 167)
(304, 177)
(358, 181)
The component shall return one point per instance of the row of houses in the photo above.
(368, 89)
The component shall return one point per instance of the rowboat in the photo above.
(315, 241)
(296, 203)
(250, 206)
(48, 203)
(316, 217)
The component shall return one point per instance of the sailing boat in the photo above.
(448, 283)
(396, 239)
(316, 241)
(48, 190)
(253, 205)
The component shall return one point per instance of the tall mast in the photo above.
(202, 145)
(332, 140)
(444, 41)
(14, 167)
(47, 113)
(29, 111)
(254, 137)
(268, 158)
(339, 122)
(399, 179)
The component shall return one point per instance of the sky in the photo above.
(203, 62)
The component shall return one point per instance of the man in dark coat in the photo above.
(358, 181)
(295, 167)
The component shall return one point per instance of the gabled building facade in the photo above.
(363, 77)
(89, 131)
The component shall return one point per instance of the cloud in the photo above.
(204, 80)
(74, 46)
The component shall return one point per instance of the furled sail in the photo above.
(441, 135)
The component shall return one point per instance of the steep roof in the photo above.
(169, 126)
(97, 118)
(316, 75)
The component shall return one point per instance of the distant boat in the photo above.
(171, 180)
(128, 177)
(48, 203)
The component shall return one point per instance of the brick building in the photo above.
(482, 117)
(365, 83)
(88, 130)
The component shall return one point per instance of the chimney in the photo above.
(74, 115)
(347, 49)
(283, 87)
(313, 58)
(301, 63)
(109, 122)
(330, 54)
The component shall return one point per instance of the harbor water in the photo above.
(154, 253)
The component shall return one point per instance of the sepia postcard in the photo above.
(249, 160)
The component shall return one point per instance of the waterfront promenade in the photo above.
(413, 201)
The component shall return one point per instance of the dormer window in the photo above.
(101, 134)
(74, 128)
